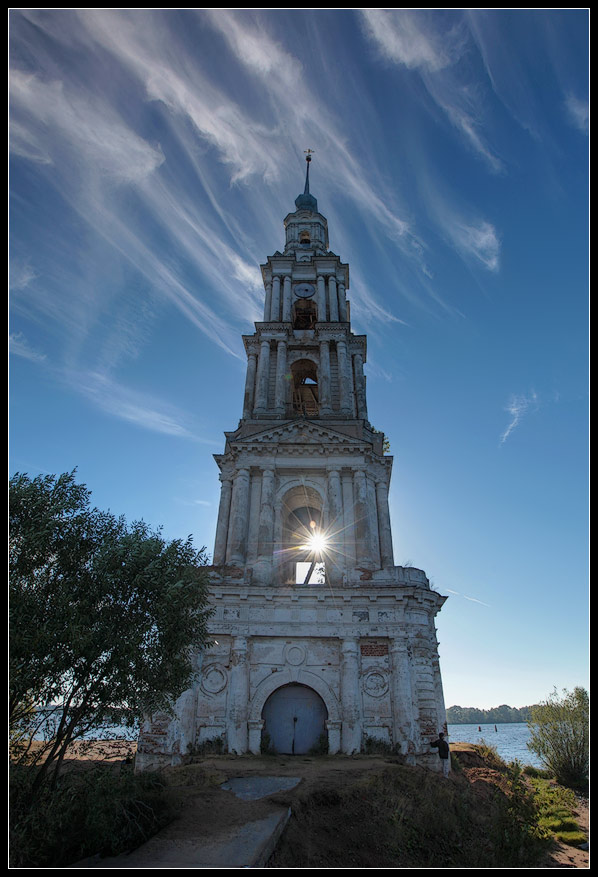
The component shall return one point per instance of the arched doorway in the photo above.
(294, 717)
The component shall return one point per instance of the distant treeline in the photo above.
(471, 715)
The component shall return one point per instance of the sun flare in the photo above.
(317, 543)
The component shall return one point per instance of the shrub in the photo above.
(97, 811)
(559, 730)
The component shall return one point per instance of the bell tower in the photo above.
(319, 640)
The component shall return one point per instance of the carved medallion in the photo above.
(375, 682)
(214, 679)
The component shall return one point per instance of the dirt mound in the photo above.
(373, 811)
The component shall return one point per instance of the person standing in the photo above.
(444, 752)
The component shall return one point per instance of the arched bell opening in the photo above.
(302, 521)
(294, 720)
(306, 399)
(305, 314)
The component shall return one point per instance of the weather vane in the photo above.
(308, 154)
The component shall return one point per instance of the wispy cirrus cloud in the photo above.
(478, 239)
(475, 238)
(22, 274)
(430, 46)
(19, 346)
(53, 120)
(578, 113)
(141, 409)
(301, 109)
(518, 406)
(403, 39)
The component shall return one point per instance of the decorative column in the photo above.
(384, 530)
(342, 303)
(249, 385)
(343, 378)
(238, 518)
(275, 308)
(281, 383)
(238, 697)
(350, 697)
(333, 299)
(268, 301)
(321, 299)
(286, 300)
(360, 395)
(263, 373)
(402, 699)
(324, 379)
(223, 517)
(335, 561)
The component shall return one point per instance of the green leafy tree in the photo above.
(105, 618)
(559, 730)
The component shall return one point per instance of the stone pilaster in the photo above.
(223, 518)
(342, 303)
(263, 375)
(238, 697)
(349, 519)
(333, 299)
(324, 379)
(402, 698)
(384, 529)
(335, 555)
(281, 383)
(286, 300)
(321, 299)
(275, 307)
(263, 567)
(237, 542)
(249, 395)
(362, 520)
(268, 301)
(350, 697)
(359, 377)
(343, 379)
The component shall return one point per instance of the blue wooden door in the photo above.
(294, 717)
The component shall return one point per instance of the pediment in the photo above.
(300, 432)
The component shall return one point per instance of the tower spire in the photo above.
(308, 155)
(307, 201)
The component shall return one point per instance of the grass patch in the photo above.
(555, 811)
(573, 838)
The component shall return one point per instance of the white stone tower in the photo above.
(319, 640)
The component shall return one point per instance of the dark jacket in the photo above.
(442, 746)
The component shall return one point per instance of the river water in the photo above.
(509, 739)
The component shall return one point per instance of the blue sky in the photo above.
(154, 155)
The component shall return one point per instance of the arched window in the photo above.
(306, 400)
(302, 518)
(304, 238)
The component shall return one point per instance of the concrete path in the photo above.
(249, 845)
